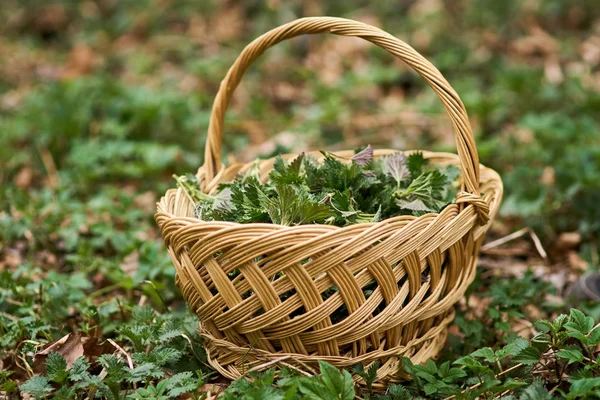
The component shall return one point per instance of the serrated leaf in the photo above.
(528, 356)
(364, 157)
(486, 353)
(56, 368)
(79, 370)
(513, 348)
(572, 355)
(579, 321)
(395, 167)
(535, 391)
(287, 174)
(399, 392)
(416, 163)
(37, 386)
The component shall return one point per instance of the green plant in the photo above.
(302, 192)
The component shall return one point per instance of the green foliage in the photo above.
(303, 191)
(161, 343)
(117, 130)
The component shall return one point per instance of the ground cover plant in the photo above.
(101, 102)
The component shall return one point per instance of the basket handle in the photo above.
(465, 142)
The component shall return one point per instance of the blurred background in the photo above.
(101, 101)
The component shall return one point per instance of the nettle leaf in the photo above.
(364, 157)
(37, 386)
(395, 166)
(283, 173)
(56, 368)
(399, 392)
(513, 348)
(536, 391)
(79, 370)
(291, 207)
(415, 205)
(428, 185)
(370, 375)
(448, 374)
(416, 163)
(528, 356)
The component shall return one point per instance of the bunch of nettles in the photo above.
(335, 191)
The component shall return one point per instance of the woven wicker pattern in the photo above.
(268, 294)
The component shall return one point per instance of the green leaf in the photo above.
(287, 174)
(578, 321)
(579, 336)
(528, 356)
(486, 353)
(341, 384)
(594, 337)
(56, 368)
(513, 348)
(315, 389)
(535, 391)
(79, 370)
(584, 387)
(399, 392)
(290, 207)
(416, 163)
(572, 355)
(37, 386)
(472, 364)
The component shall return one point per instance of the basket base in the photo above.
(234, 362)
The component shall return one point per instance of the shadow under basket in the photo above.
(269, 295)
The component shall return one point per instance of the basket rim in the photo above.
(490, 174)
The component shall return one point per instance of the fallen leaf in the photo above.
(70, 347)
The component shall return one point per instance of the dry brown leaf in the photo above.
(70, 347)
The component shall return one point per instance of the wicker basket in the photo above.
(276, 309)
